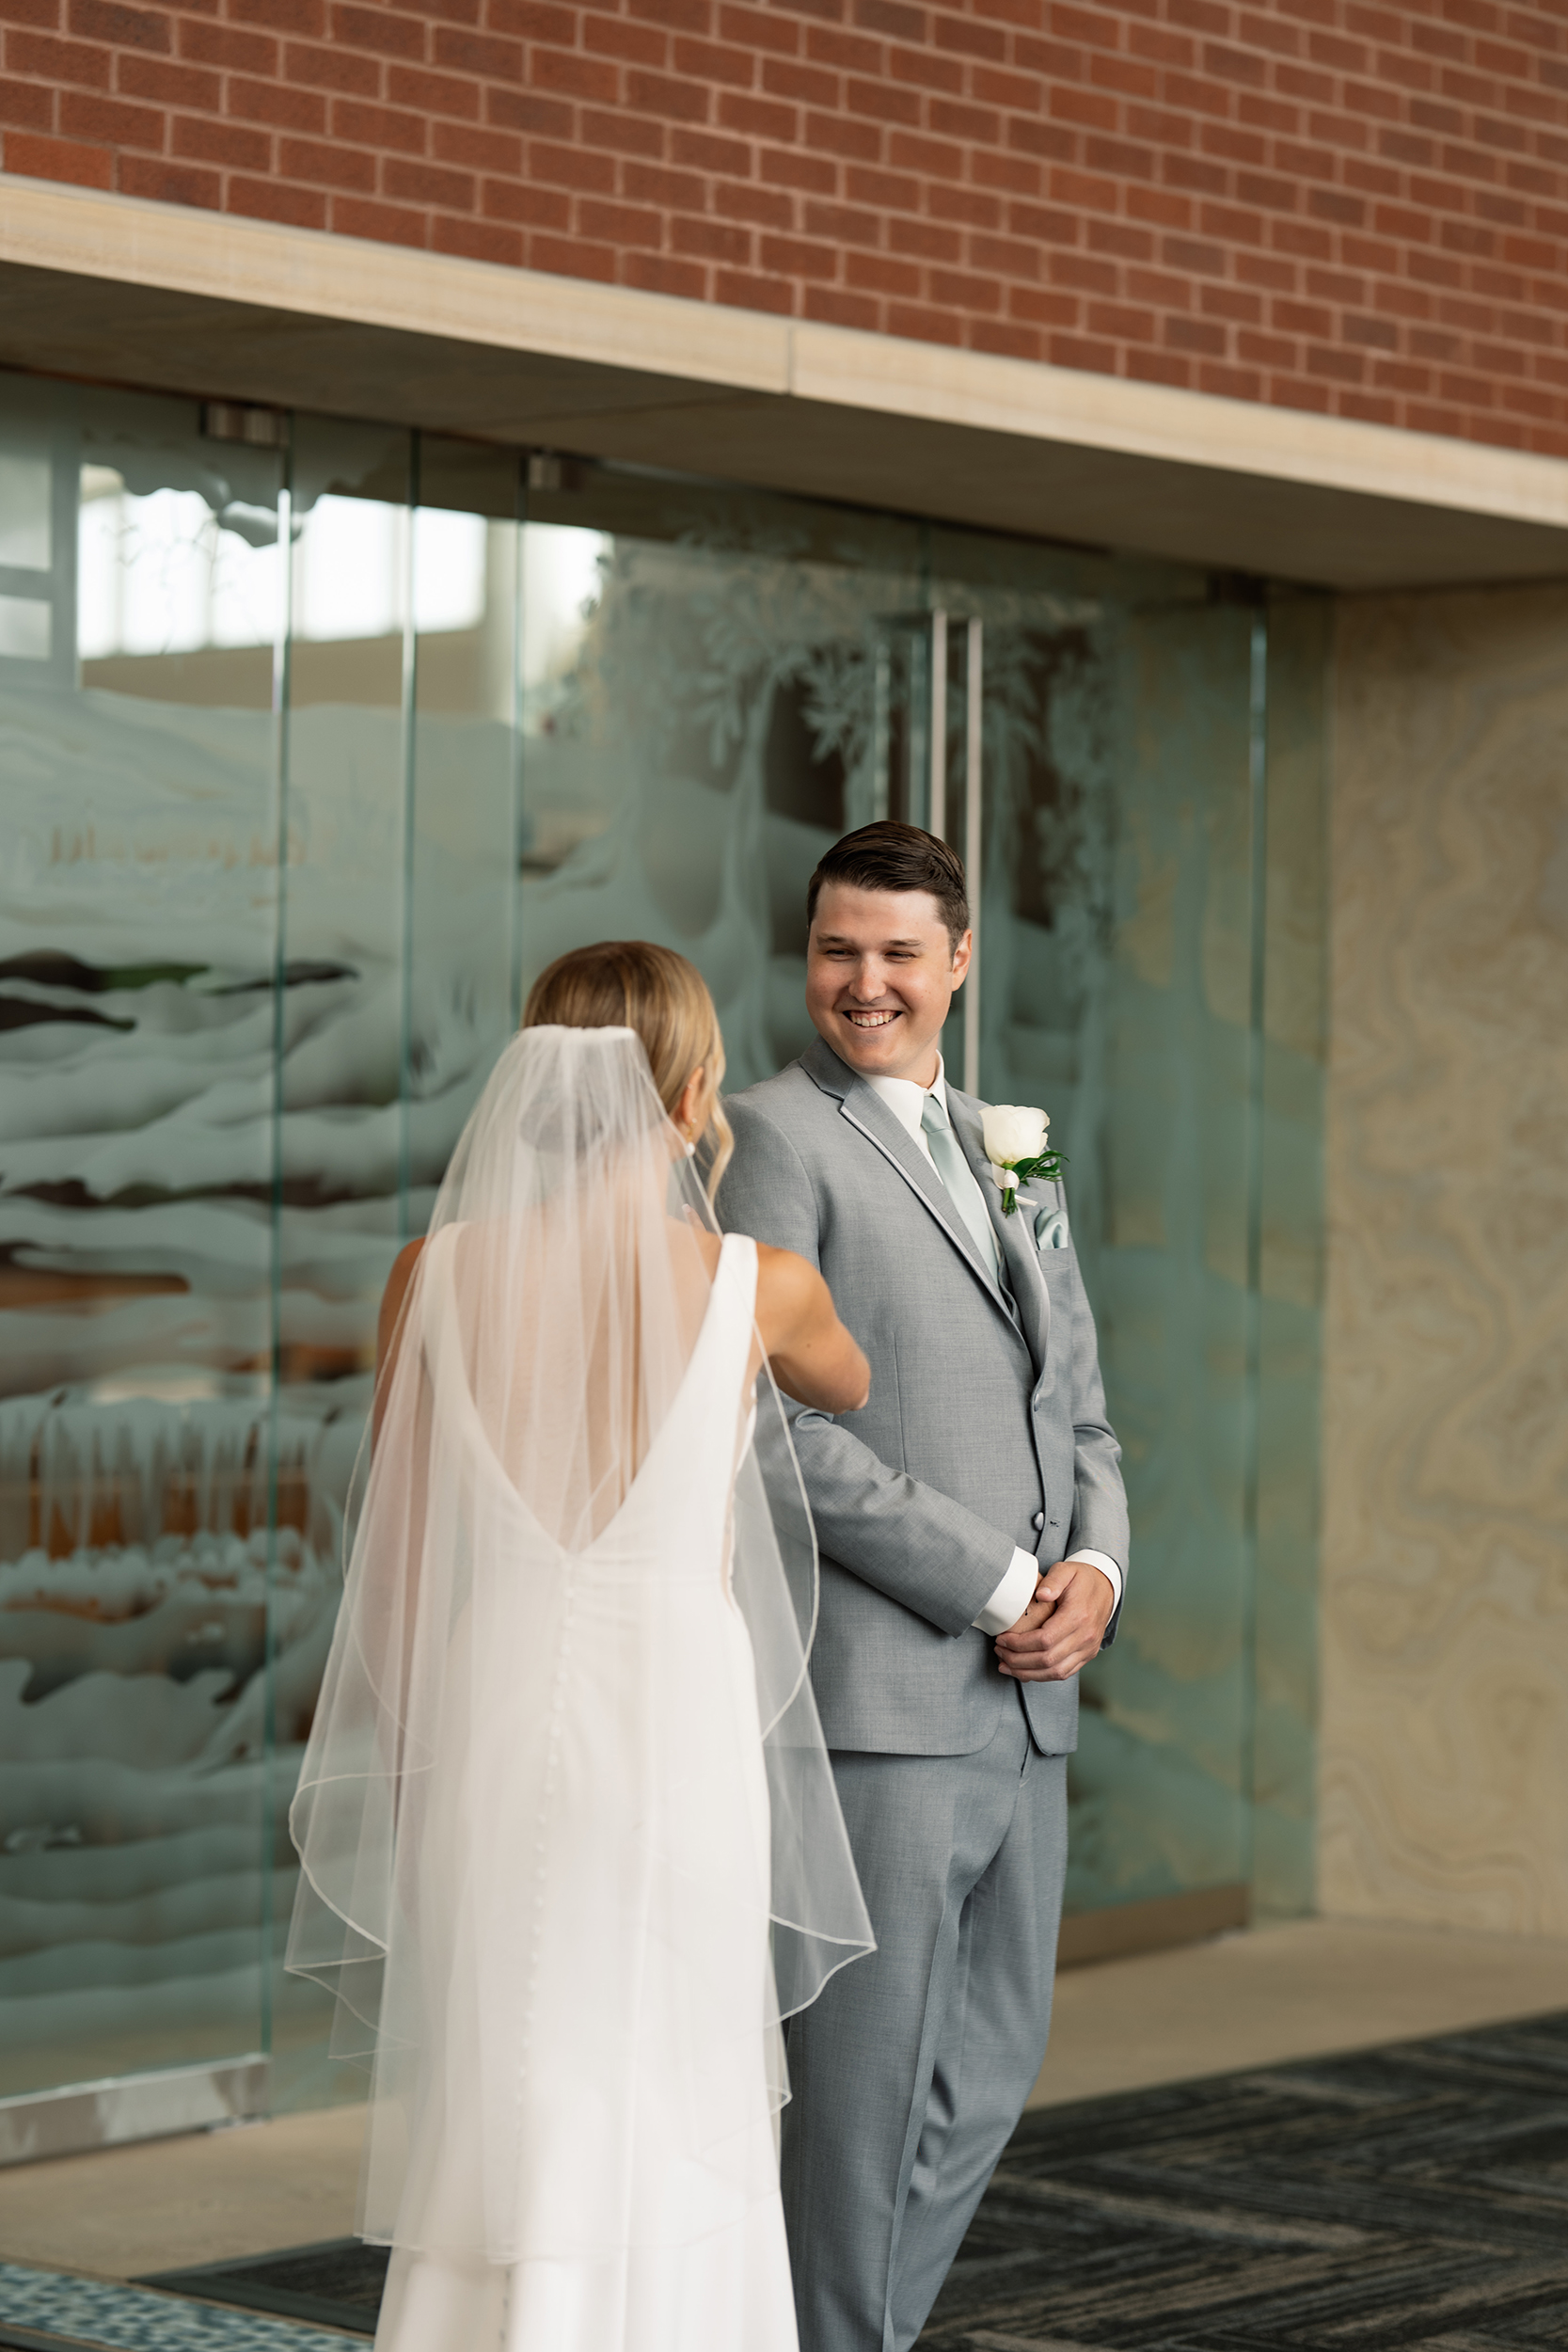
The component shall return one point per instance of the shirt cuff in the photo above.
(1107, 1567)
(1012, 1595)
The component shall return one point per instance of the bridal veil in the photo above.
(519, 1609)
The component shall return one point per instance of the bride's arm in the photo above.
(814, 1358)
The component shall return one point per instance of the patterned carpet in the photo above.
(1413, 2199)
(1414, 2196)
(337, 2284)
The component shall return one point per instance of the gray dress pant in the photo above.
(911, 2070)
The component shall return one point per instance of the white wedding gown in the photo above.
(590, 1884)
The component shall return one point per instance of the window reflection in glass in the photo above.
(167, 574)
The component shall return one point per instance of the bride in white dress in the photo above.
(570, 1841)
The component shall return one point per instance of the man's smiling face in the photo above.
(881, 973)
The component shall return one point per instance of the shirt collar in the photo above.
(906, 1098)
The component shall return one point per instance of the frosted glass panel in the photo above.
(463, 906)
(25, 506)
(1120, 978)
(398, 960)
(137, 1440)
(342, 1209)
(27, 632)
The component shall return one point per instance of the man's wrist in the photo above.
(1012, 1595)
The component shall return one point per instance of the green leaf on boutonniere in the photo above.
(1047, 1163)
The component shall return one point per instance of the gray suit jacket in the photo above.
(982, 1413)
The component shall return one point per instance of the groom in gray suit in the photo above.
(973, 1537)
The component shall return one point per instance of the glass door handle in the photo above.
(917, 657)
(973, 849)
(936, 790)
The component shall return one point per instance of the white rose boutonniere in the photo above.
(1016, 1146)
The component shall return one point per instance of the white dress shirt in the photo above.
(906, 1099)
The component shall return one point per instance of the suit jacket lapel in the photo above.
(1015, 1234)
(864, 1110)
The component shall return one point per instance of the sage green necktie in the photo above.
(958, 1177)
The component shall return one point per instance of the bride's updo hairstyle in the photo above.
(631, 984)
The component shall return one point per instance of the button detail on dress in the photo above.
(1038, 1520)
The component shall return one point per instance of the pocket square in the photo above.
(1051, 1229)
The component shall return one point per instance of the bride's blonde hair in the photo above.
(631, 984)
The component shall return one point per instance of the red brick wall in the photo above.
(1330, 205)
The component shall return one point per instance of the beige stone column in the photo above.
(1444, 1568)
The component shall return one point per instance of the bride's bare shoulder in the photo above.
(781, 1275)
(783, 1268)
(403, 1266)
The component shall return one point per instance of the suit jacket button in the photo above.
(1038, 1520)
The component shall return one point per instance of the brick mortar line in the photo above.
(1371, 94)
(1251, 201)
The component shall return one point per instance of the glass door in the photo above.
(1095, 758)
(718, 687)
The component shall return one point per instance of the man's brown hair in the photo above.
(893, 856)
